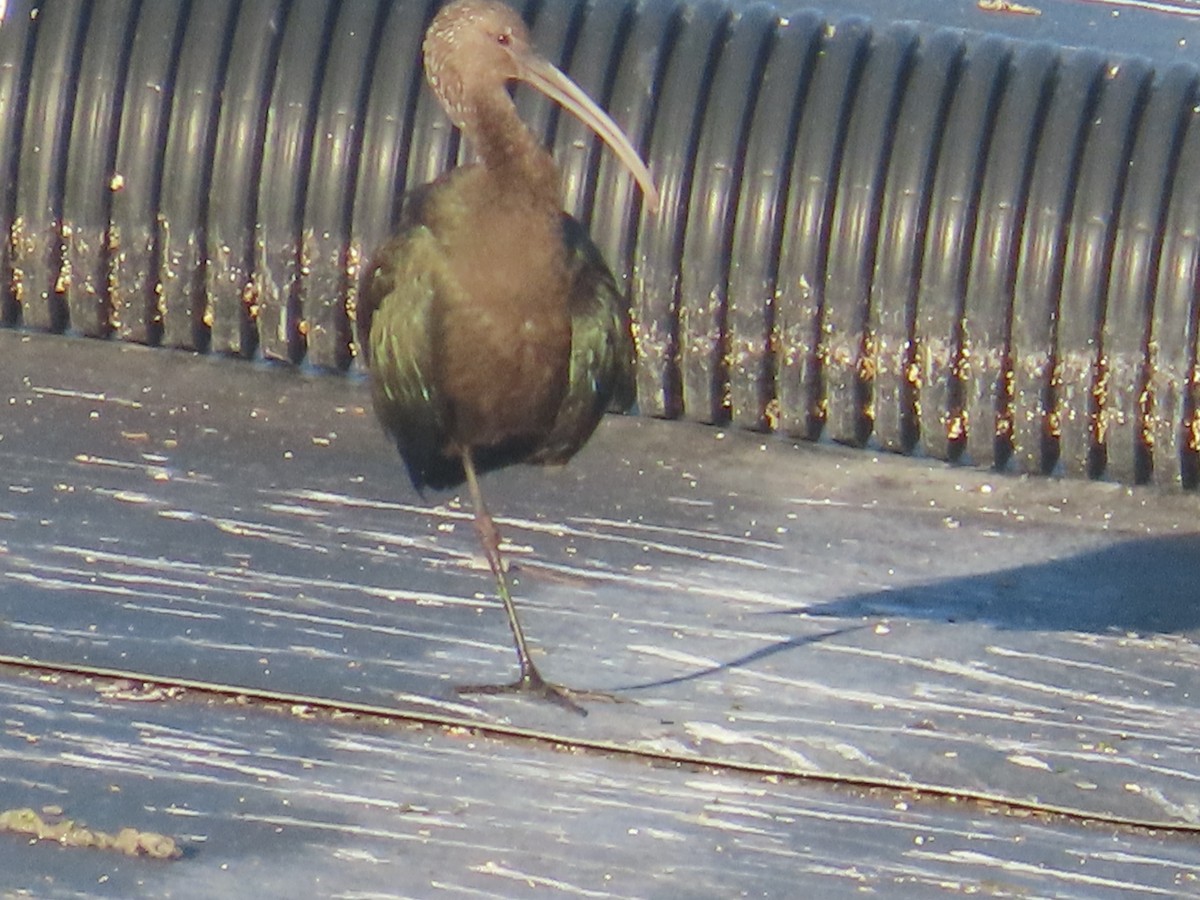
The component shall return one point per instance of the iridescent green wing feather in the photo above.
(397, 329)
(602, 351)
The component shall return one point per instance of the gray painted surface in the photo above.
(1163, 30)
(802, 608)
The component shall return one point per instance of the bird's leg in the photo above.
(531, 680)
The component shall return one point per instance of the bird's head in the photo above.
(474, 48)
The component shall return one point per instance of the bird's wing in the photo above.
(377, 279)
(398, 294)
(602, 349)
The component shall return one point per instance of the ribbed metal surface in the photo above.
(926, 239)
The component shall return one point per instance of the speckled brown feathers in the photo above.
(583, 363)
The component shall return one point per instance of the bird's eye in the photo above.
(504, 38)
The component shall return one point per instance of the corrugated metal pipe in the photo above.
(924, 239)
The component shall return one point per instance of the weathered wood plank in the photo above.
(296, 804)
(800, 607)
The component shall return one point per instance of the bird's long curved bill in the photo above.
(548, 79)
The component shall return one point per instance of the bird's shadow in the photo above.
(1142, 586)
(744, 660)
(1148, 585)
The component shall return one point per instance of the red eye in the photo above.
(504, 38)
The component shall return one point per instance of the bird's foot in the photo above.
(533, 684)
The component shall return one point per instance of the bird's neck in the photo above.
(509, 149)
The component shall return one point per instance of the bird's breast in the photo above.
(503, 340)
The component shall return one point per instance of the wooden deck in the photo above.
(761, 611)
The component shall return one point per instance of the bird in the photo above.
(493, 332)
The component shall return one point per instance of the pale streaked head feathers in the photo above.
(473, 46)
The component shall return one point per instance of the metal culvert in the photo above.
(927, 239)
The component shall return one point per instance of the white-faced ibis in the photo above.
(494, 333)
